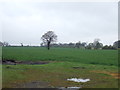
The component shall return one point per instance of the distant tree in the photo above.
(64, 45)
(49, 38)
(83, 45)
(1, 44)
(71, 44)
(5, 44)
(60, 44)
(116, 44)
(97, 44)
(108, 47)
(105, 47)
(90, 46)
(21, 44)
(78, 44)
(41, 44)
(55, 45)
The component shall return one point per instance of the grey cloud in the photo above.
(72, 22)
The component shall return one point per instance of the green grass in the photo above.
(98, 67)
(57, 73)
(103, 57)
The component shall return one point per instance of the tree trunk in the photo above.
(48, 45)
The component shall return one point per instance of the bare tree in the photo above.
(49, 38)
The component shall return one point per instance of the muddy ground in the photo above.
(41, 84)
(34, 84)
(13, 62)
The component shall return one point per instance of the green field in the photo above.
(99, 65)
(103, 57)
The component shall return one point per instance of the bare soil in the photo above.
(114, 75)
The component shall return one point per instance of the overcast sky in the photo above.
(72, 22)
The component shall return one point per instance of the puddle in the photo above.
(69, 88)
(78, 80)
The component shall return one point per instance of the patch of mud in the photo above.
(35, 84)
(13, 62)
(114, 75)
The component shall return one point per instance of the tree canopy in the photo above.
(49, 38)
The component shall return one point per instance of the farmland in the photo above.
(98, 65)
(103, 57)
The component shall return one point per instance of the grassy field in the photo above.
(100, 66)
(103, 57)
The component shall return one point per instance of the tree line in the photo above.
(84, 45)
(49, 39)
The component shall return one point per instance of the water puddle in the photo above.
(78, 80)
